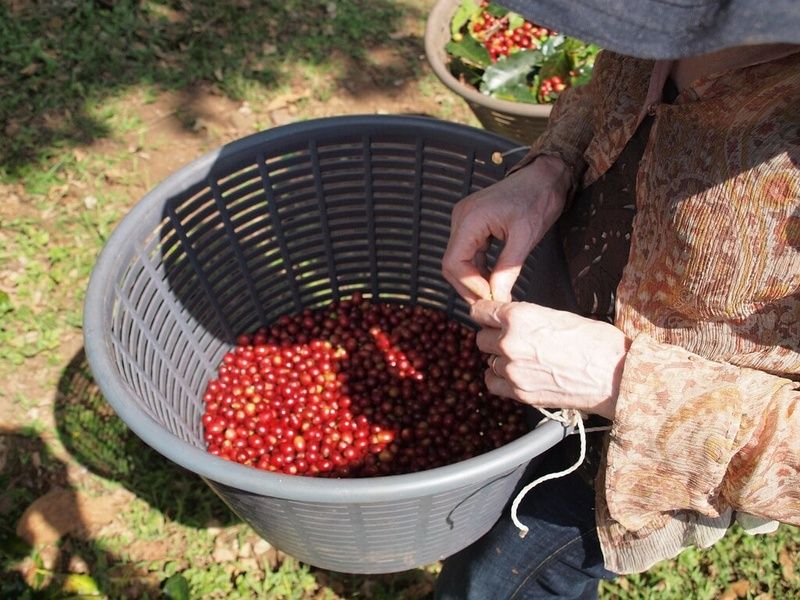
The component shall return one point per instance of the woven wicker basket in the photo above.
(516, 120)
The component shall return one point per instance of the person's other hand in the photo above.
(551, 358)
(517, 210)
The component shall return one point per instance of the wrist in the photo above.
(608, 408)
(555, 170)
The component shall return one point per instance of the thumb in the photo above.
(508, 265)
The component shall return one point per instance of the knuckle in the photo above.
(509, 314)
(505, 346)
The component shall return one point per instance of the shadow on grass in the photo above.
(100, 441)
(64, 563)
(60, 57)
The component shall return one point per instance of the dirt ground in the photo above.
(172, 129)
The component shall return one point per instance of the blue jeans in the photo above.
(559, 558)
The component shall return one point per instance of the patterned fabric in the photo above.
(596, 231)
(708, 417)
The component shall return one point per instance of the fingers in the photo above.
(509, 264)
(464, 260)
(499, 386)
(488, 340)
(486, 313)
(471, 287)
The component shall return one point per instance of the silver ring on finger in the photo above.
(493, 365)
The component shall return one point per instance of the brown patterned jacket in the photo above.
(708, 418)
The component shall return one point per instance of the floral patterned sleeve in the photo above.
(695, 434)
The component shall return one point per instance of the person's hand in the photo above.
(550, 358)
(517, 210)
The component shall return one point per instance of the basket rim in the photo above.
(483, 468)
(437, 32)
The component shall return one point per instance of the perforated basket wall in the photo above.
(294, 217)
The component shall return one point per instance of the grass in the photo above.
(63, 61)
(76, 151)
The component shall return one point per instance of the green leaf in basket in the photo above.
(469, 74)
(518, 93)
(552, 45)
(495, 10)
(510, 71)
(556, 64)
(177, 588)
(515, 20)
(470, 51)
(466, 10)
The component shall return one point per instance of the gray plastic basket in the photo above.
(296, 217)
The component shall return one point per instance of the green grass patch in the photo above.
(62, 63)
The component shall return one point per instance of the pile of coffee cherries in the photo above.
(356, 389)
(500, 40)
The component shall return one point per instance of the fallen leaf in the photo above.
(82, 585)
(787, 565)
(30, 69)
(224, 555)
(177, 588)
(735, 590)
(62, 511)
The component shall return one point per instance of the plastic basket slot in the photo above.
(271, 274)
(394, 171)
(332, 177)
(243, 321)
(391, 516)
(161, 242)
(259, 242)
(393, 212)
(351, 196)
(347, 191)
(444, 186)
(482, 180)
(341, 149)
(347, 223)
(254, 197)
(243, 197)
(390, 144)
(185, 204)
(247, 208)
(453, 154)
(260, 248)
(287, 183)
(439, 203)
(231, 182)
(311, 281)
(279, 304)
(287, 154)
(148, 351)
(271, 282)
(297, 170)
(154, 402)
(242, 270)
(304, 229)
(303, 198)
(197, 265)
(190, 212)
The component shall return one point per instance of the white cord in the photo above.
(569, 418)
